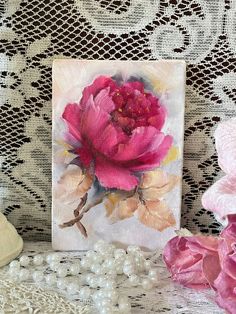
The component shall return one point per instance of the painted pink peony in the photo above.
(193, 261)
(221, 196)
(118, 130)
(225, 284)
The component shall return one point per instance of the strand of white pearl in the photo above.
(103, 266)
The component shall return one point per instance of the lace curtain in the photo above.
(35, 32)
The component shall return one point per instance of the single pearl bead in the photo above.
(147, 284)
(152, 274)
(124, 304)
(147, 264)
(61, 283)
(129, 270)
(72, 288)
(101, 280)
(54, 265)
(51, 279)
(24, 260)
(96, 296)
(38, 276)
(90, 254)
(24, 274)
(84, 293)
(38, 260)
(109, 284)
(55, 257)
(96, 268)
(93, 282)
(119, 253)
(74, 269)
(49, 258)
(131, 249)
(129, 260)
(15, 264)
(13, 272)
(85, 263)
(97, 258)
(88, 277)
(110, 263)
(62, 271)
(99, 245)
(133, 280)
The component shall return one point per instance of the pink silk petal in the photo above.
(113, 176)
(225, 137)
(221, 197)
(211, 268)
(72, 115)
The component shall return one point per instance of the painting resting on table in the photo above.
(117, 152)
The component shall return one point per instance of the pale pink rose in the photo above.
(221, 197)
(225, 284)
(193, 261)
(225, 137)
(118, 130)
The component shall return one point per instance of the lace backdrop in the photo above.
(35, 32)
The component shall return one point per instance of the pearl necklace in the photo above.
(94, 276)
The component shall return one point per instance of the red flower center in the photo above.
(135, 108)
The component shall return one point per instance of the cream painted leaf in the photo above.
(73, 185)
(156, 215)
(38, 46)
(120, 207)
(157, 183)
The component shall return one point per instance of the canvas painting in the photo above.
(117, 152)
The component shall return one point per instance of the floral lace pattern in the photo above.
(34, 32)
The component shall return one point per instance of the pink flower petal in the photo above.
(113, 176)
(104, 101)
(72, 115)
(211, 268)
(109, 138)
(145, 149)
(98, 84)
(93, 121)
(225, 136)
(221, 197)
(152, 159)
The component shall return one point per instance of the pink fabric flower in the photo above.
(221, 196)
(118, 129)
(193, 261)
(225, 284)
(225, 137)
